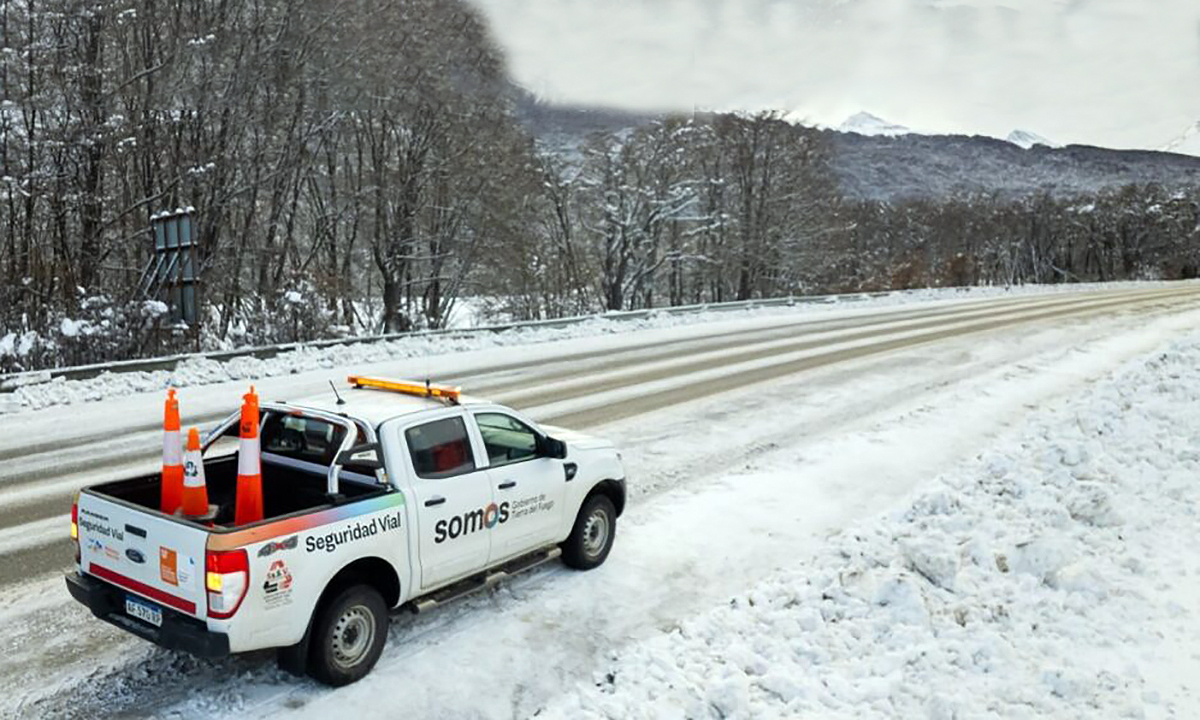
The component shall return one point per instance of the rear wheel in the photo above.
(592, 537)
(348, 636)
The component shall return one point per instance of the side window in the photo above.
(440, 449)
(507, 439)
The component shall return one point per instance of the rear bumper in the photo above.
(178, 632)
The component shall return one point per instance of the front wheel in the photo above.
(348, 636)
(592, 537)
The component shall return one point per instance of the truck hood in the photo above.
(577, 440)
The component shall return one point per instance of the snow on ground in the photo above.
(199, 371)
(1055, 575)
(668, 627)
(746, 497)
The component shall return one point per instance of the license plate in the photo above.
(143, 611)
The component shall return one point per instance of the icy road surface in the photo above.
(751, 445)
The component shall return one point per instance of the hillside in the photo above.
(884, 168)
(891, 166)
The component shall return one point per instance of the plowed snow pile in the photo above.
(1057, 575)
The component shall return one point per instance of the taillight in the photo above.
(226, 578)
(75, 526)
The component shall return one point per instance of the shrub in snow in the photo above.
(98, 330)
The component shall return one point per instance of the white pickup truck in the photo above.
(376, 499)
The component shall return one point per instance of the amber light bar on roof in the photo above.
(441, 392)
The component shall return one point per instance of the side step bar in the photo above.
(485, 580)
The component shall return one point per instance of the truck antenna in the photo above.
(336, 394)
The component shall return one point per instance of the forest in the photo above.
(361, 167)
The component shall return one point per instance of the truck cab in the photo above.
(379, 496)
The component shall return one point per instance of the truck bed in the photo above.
(286, 490)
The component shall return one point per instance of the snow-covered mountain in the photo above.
(1186, 144)
(864, 123)
(1026, 139)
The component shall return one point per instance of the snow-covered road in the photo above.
(750, 442)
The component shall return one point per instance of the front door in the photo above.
(528, 488)
(454, 501)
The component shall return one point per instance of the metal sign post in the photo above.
(174, 271)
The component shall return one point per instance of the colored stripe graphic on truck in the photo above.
(302, 523)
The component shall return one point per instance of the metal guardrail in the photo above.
(11, 381)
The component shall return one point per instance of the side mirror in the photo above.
(551, 448)
(350, 457)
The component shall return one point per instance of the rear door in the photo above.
(159, 562)
(528, 488)
(454, 499)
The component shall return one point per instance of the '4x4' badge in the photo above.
(277, 545)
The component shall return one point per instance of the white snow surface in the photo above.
(998, 526)
(1055, 575)
(1027, 139)
(864, 123)
(852, 571)
(35, 395)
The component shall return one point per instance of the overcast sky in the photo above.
(1120, 73)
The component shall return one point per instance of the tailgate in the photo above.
(147, 554)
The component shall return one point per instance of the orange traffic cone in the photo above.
(249, 506)
(172, 470)
(195, 489)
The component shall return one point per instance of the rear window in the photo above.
(302, 438)
(440, 449)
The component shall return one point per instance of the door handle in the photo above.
(434, 501)
(508, 484)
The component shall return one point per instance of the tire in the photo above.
(592, 537)
(348, 636)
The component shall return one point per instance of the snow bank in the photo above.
(34, 395)
(1054, 575)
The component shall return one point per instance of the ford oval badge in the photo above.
(135, 556)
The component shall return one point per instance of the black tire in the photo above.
(348, 636)
(584, 549)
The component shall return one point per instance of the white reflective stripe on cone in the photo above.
(249, 460)
(193, 470)
(172, 448)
